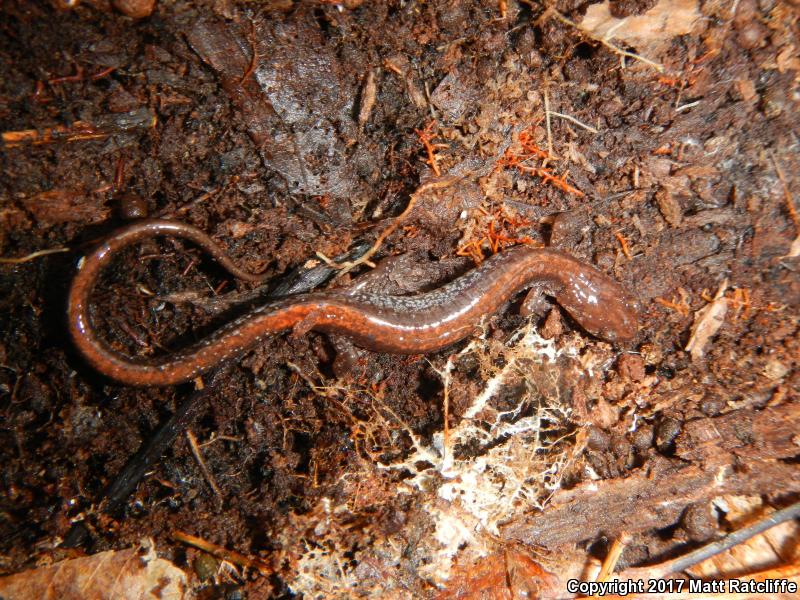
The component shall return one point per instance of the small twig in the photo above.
(683, 107)
(230, 555)
(202, 463)
(729, 541)
(133, 335)
(254, 56)
(623, 244)
(610, 563)
(31, 256)
(218, 438)
(103, 127)
(547, 121)
(446, 377)
(80, 130)
(430, 104)
(348, 264)
(101, 74)
(571, 119)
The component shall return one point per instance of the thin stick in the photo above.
(573, 120)
(547, 121)
(729, 541)
(254, 56)
(613, 556)
(446, 439)
(31, 256)
(203, 467)
(80, 130)
(430, 104)
(347, 264)
(683, 107)
(230, 555)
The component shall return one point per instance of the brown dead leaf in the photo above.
(135, 573)
(647, 32)
(502, 576)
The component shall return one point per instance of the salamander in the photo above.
(415, 324)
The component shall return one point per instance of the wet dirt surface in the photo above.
(285, 130)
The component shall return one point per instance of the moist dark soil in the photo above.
(289, 131)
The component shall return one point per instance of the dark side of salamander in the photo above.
(415, 324)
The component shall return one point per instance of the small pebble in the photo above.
(136, 9)
(131, 206)
(699, 522)
(667, 430)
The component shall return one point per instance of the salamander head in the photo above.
(600, 306)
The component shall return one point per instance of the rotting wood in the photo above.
(655, 497)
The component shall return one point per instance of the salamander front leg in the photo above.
(347, 355)
(535, 302)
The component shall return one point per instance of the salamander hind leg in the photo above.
(306, 324)
(535, 302)
(347, 355)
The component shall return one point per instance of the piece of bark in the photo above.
(749, 434)
(740, 460)
(369, 91)
(669, 206)
(707, 322)
(646, 500)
